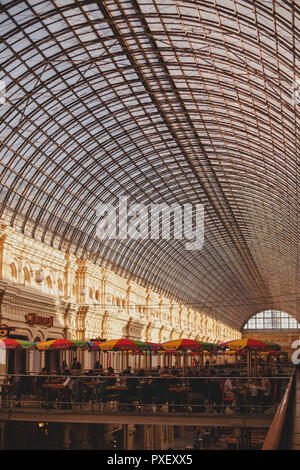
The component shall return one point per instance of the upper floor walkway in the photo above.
(229, 400)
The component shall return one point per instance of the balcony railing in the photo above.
(253, 396)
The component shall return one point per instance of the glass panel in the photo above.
(272, 319)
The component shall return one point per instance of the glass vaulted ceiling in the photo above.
(161, 101)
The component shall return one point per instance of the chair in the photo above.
(104, 394)
(66, 397)
(160, 391)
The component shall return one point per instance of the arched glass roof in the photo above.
(163, 101)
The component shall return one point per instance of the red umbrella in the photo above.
(9, 343)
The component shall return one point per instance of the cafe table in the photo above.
(117, 388)
(57, 388)
(93, 385)
(178, 395)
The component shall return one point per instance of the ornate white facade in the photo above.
(86, 301)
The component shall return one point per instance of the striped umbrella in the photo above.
(124, 344)
(273, 346)
(54, 344)
(184, 345)
(19, 344)
(155, 347)
(245, 343)
(79, 344)
(94, 345)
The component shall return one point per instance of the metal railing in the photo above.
(147, 394)
(279, 434)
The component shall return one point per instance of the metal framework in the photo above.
(271, 319)
(174, 101)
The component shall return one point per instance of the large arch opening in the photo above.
(271, 320)
(274, 326)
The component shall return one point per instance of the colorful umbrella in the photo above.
(54, 344)
(273, 346)
(9, 343)
(124, 345)
(94, 345)
(154, 346)
(154, 349)
(270, 352)
(212, 348)
(79, 344)
(228, 352)
(171, 352)
(245, 343)
(184, 345)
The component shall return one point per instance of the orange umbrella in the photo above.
(54, 344)
(183, 345)
(245, 343)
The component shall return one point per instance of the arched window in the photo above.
(13, 270)
(49, 282)
(271, 319)
(59, 286)
(26, 276)
(97, 295)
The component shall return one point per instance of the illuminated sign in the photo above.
(35, 319)
(4, 330)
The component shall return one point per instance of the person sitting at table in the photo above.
(41, 379)
(111, 377)
(253, 388)
(22, 387)
(266, 390)
(76, 364)
(198, 390)
(132, 383)
(98, 368)
(215, 392)
(229, 388)
(81, 392)
(67, 391)
(145, 393)
(50, 394)
(160, 387)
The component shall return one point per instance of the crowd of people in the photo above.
(209, 388)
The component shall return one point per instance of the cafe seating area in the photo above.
(194, 380)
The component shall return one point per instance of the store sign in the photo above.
(34, 319)
(4, 330)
